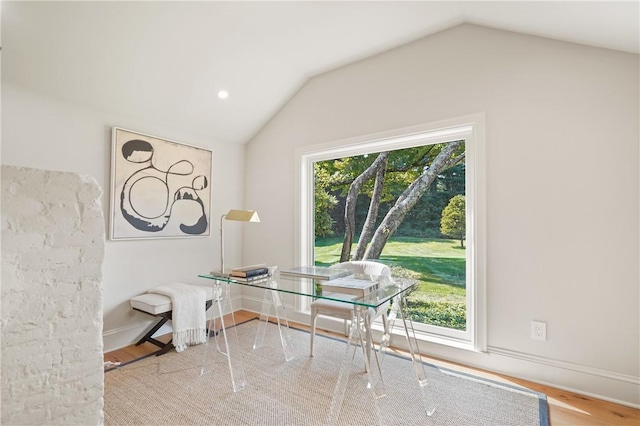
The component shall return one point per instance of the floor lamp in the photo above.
(238, 215)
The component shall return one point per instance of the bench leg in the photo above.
(147, 337)
(164, 347)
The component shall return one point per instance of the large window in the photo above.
(411, 199)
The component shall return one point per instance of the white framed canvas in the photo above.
(159, 188)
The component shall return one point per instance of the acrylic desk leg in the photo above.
(418, 365)
(356, 332)
(376, 381)
(283, 325)
(273, 298)
(343, 376)
(231, 346)
(390, 319)
(262, 324)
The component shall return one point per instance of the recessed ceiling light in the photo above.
(223, 94)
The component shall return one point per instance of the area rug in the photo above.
(169, 390)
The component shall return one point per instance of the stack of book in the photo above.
(358, 285)
(249, 273)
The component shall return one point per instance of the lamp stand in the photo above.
(222, 244)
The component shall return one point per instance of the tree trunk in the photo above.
(409, 198)
(372, 214)
(350, 206)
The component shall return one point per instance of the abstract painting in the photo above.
(159, 188)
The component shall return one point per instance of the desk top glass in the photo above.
(387, 287)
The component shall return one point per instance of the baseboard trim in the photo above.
(116, 331)
(598, 383)
(612, 375)
(120, 337)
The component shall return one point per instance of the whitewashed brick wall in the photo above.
(52, 253)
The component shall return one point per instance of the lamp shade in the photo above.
(243, 215)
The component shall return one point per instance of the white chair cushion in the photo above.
(325, 306)
(156, 304)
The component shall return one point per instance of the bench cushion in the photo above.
(156, 304)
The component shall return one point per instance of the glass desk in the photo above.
(389, 290)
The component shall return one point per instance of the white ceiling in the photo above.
(165, 61)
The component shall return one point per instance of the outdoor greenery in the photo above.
(400, 207)
(453, 219)
(422, 221)
(438, 265)
(324, 203)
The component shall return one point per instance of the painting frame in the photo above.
(160, 188)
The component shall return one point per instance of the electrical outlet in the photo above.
(538, 330)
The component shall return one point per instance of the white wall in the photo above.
(52, 254)
(562, 136)
(46, 133)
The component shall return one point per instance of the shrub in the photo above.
(438, 313)
(398, 271)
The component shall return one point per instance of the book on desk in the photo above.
(250, 271)
(244, 273)
(356, 285)
(251, 280)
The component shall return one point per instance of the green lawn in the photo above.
(438, 265)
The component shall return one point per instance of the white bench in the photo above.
(159, 305)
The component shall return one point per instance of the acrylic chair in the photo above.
(344, 311)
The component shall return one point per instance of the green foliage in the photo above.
(324, 202)
(404, 166)
(398, 271)
(439, 313)
(453, 219)
(345, 170)
(449, 183)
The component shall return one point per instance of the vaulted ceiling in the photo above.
(167, 61)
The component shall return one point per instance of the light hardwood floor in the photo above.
(565, 408)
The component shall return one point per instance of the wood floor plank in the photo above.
(565, 408)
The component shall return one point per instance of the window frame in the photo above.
(471, 129)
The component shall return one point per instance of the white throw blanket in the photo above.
(189, 317)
